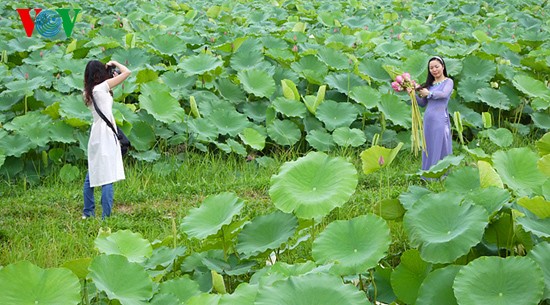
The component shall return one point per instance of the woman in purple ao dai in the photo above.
(434, 94)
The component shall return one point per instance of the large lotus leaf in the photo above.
(365, 95)
(246, 59)
(131, 245)
(266, 232)
(345, 136)
(257, 111)
(178, 80)
(168, 44)
(257, 82)
(541, 119)
(253, 138)
(536, 205)
(62, 132)
(354, 245)
(532, 87)
(313, 185)
(121, 280)
(540, 254)
(26, 86)
(488, 176)
(200, 64)
(543, 164)
(215, 212)
(313, 288)
(478, 69)
(320, 139)
(16, 145)
(23, 283)
(183, 288)
(228, 122)
(204, 298)
(142, 136)
(31, 125)
(416, 65)
(494, 98)
(136, 58)
(539, 227)
(344, 82)
(445, 230)
(518, 169)
(465, 179)
(499, 281)
(290, 107)
(164, 256)
(335, 114)
(390, 48)
(155, 98)
(335, 59)
(284, 132)
(492, 198)
(244, 294)
(373, 68)
(395, 110)
(311, 68)
(79, 267)
(543, 144)
(437, 287)
(468, 87)
(407, 277)
(501, 136)
(440, 168)
(377, 157)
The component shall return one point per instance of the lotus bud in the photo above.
(336, 30)
(399, 79)
(41, 54)
(26, 75)
(406, 76)
(295, 38)
(92, 26)
(295, 49)
(381, 161)
(212, 39)
(396, 86)
(399, 36)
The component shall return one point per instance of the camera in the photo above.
(111, 69)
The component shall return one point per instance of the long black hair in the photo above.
(430, 78)
(95, 73)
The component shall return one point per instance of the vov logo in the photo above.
(48, 23)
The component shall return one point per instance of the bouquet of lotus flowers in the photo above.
(404, 82)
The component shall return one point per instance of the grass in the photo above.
(41, 223)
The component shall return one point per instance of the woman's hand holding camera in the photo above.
(118, 71)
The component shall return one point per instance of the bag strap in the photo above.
(104, 117)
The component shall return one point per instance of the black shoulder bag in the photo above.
(122, 138)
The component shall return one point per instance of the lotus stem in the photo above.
(419, 141)
(373, 286)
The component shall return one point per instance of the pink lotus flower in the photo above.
(396, 86)
(399, 79)
(406, 76)
(381, 161)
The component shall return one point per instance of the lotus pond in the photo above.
(256, 79)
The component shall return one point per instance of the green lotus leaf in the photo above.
(335, 59)
(543, 144)
(16, 145)
(518, 169)
(313, 185)
(120, 279)
(30, 125)
(169, 44)
(389, 209)
(320, 139)
(540, 254)
(354, 245)
(178, 80)
(532, 87)
(284, 132)
(390, 48)
(311, 69)
(539, 227)
(373, 68)
(543, 164)
(365, 95)
(229, 90)
(236, 147)
(142, 136)
(541, 120)
(79, 267)
(501, 136)
(183, 288)
(441, 167)
(345, 136)
(157, 101)
(62, 132)
(204, 298)
(266, 232)
(26, 284)
(488, 176)
(492, 198)
(495, 280)
(161, 299)
(478, 69)
(377, 157)
(2, 157)
(335, 114)
(290, 107)
(465, 179)
(215, 212)
(135, 58)
(314, 288)
(69, 173)
(253, 138)
(416, 65)
(257, 82)
(73, 110)
(289, 90)
(395, 110)
(536, 205)
(126, 243)
(244, 294)
(444, 229)
(257, 111)
(26, 86)
(437, 287)
(494, 98)
(203, 129)
(246, 59)
(407, 277)
(344, 82)
(468, 87)
(164, 257)
(228, 122)
(200, 64)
